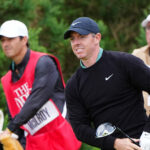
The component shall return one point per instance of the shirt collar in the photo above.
(97, 59)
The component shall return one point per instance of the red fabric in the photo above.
(59, 68)
(58, 134)
(28, 75)
(61, 138)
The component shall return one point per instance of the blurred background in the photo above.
(47, 20)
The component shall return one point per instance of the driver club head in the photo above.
(105, 129)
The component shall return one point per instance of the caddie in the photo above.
(144, 54)
(34, 90)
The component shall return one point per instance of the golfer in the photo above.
(107, 87)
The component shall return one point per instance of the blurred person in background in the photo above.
(144, 54)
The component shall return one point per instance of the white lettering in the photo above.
(46, 114)
(22, 94)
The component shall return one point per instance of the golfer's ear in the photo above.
(98, 37)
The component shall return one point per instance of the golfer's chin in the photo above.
(80, 56)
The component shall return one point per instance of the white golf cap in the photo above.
(13, 28)
(145, 21)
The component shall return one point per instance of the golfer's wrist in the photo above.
(116, 143)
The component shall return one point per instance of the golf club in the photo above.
(2, 123)
(1, 120)
(107, 128)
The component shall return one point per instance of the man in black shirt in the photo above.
(106, 88)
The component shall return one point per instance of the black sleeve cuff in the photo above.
(12, 126)
(109, 142)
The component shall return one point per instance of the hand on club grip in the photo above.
(126, 143)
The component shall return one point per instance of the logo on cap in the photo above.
(73, 24)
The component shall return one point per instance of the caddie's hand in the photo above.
(9, 141)
(7, 132)
(4, 133)
(125, 143)
(145, 141)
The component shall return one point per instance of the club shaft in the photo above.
(126, 135)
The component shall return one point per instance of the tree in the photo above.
(121, 17)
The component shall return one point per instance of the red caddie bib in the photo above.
(47, 130)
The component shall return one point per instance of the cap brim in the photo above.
(78, 30)
(145, 22)
(8, 36)
(11, 35)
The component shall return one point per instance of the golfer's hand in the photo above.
(145, 141)
(126, 144)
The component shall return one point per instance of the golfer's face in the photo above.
(148, 33)
(82, 45)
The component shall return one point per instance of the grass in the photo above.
(88, 147)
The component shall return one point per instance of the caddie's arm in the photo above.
(46, 76)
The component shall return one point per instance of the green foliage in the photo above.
(34, 40)
(52, 27)
(141, 39)
(17, 9)
(106, 42)
(121, 17)
(2, 101)
(5, 121)
(4, 66)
